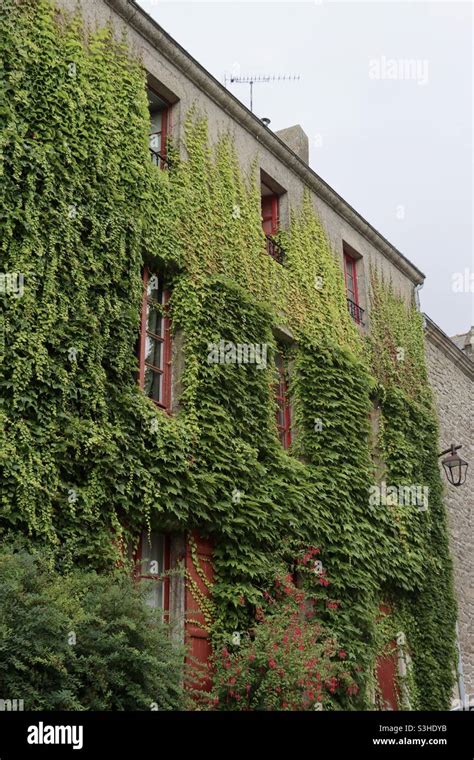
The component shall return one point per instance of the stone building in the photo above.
(451, 373)
(175, 83)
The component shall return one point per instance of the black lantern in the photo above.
(454, 467)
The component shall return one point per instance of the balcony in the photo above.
(274, 249)
(159, 160)
(356, 312)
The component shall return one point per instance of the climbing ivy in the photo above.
(88, 461)
(408, 440)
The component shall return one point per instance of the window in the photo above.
(155, 343)
(283, 415)
(350, 275)
(270, 205)
(159, 113)
(270, 212)
(152, 561)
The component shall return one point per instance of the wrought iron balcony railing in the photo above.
(355, 311)
(274, 249)
(159, 160)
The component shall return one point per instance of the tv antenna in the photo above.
(259, 78)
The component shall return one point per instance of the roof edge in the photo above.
(435, 334)
(148, 28)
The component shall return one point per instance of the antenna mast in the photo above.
(259, 78)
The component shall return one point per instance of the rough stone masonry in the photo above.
(451, 374)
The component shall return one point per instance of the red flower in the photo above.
(342, 654)
(271, 663)
(331, 684)
(251, 657)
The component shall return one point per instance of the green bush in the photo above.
(82, 641)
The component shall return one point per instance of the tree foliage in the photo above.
(82, 641)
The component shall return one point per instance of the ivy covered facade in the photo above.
(195, 376)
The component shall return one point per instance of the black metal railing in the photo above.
(355, 311)
(274, 249)
(159, 160)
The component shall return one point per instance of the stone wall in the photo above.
(452, 379)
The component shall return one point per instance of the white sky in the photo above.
(398, 150)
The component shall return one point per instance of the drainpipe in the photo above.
(460, 673)
(417, 295)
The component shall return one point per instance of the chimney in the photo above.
(468, 347)
(297, 140)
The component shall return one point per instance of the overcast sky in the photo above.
(395, 140)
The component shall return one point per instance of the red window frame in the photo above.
(165, 579)
(270, 211)
(386, 669)
(350, 269)
(350, 275)
(160, 154)
(270, 205)
(163, 133)
(164, 338)
(283, 413)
